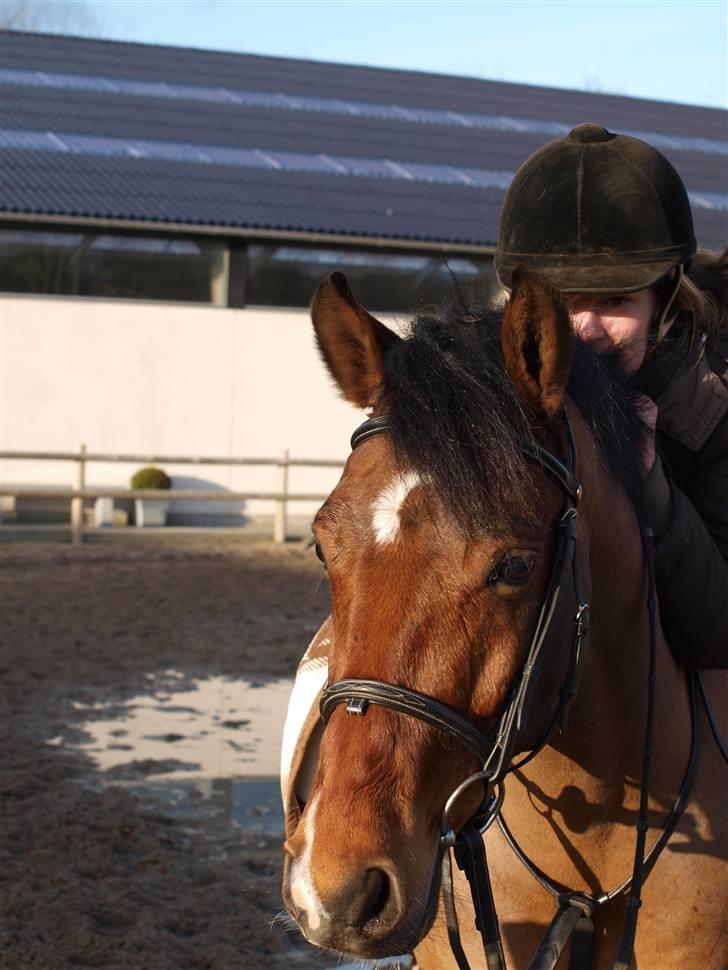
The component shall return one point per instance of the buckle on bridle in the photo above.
(489, 811)
(448, 838)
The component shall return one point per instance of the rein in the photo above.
(574, 917)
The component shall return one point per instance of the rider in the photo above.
(607, 220)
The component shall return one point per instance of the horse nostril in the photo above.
(368, 897)
(378, 892)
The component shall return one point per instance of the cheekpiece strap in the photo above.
(554, 468)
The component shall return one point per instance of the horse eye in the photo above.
(513, 570)
(319, 553)
(516, 569)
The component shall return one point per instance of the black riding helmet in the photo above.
(596, 212)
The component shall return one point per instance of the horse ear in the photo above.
(351, 341)
(537, 340)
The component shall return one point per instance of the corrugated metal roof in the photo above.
(99, 129)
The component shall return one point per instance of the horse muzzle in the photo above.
(360, 910)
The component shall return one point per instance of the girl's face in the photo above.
(612, 322)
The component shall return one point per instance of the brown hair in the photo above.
(704, 292)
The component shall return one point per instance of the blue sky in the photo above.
(663, 49)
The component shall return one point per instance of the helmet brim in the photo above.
(602, 277)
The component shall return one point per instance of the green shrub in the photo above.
(150, 478)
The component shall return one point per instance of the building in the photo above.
(165, 215)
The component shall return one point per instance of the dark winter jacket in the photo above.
(687, 492)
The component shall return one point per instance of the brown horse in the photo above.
(438, 543)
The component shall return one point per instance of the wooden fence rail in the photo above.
(94, 456)
(81, 491)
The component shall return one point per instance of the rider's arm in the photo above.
(691, 555)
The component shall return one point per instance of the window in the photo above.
(210, 270)
(381, 280)
(105, 265)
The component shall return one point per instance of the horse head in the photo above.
(437, 541)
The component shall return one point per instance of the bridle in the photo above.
(494, 751)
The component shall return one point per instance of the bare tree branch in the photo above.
(49, 16)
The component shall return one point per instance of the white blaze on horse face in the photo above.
(386, 508)
(303, 891)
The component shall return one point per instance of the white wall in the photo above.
(154, 378)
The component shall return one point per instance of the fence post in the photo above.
(77, 503)
(279, 522)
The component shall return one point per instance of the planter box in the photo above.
(150, 512)
(103, 511)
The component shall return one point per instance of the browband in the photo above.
(532, 451)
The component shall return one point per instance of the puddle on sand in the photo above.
(202, 748)
(199, 746)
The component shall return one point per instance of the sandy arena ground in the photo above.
(92, 875)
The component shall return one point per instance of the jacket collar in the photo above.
(689, 385)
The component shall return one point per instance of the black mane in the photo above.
(454, 415)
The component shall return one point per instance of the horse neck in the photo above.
(589, 781)
(607, 726)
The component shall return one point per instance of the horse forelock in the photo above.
(454, 416)
(456, 419)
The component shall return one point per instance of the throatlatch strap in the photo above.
(471, 858)
(711, 720)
